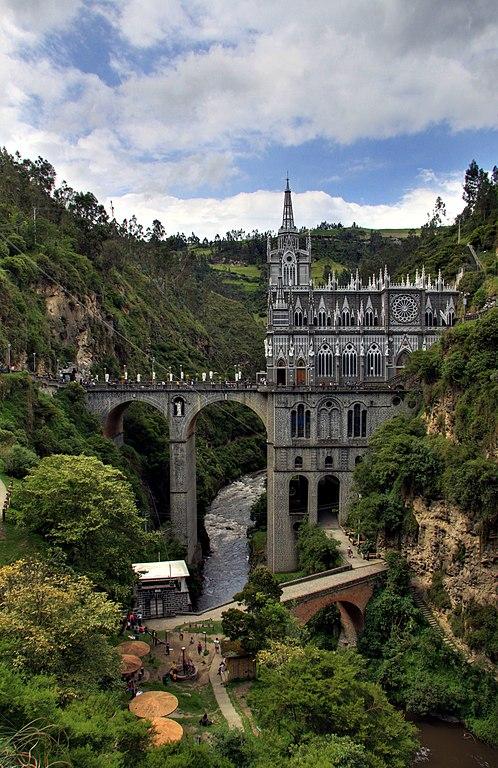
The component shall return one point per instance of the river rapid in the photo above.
(225, 572)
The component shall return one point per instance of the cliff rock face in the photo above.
(448, 540)
(440, 419)
(72, 324)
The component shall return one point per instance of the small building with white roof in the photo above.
(162, 588)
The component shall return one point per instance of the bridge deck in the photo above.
(320, 584)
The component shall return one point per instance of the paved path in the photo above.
(3, 493)
(226, 707)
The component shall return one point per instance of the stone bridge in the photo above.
(309, 465)
(350, 591)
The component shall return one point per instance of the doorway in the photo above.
(328, 501)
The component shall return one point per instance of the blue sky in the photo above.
(193, 111)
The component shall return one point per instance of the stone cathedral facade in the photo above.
(333, 353)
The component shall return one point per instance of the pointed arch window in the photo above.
(322, 318)
(325, 362)
(298, 318)
(349, 361)
(328, 462)
(357, 421)
(329, 422)
(429, 318)
(298, 462)
(300, 421)
(346, 317)
(369, 318)
(374, 361)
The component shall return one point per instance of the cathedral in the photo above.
(349, 333)
(333, 354)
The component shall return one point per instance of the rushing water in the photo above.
(225, 572)
(226, 569)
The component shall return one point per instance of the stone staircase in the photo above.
(428, 615)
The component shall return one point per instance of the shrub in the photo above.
(19, 461)
(437, 593)
(316, 552)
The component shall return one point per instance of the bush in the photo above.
(19, 461)
(437, 593)
(316, 552)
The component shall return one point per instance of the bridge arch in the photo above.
(110, 408)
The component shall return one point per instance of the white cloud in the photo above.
(206, 81)
(262, 209)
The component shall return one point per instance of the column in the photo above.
(312, 498)
(183, 497)
(281, 545)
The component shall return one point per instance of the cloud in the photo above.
(203, 84)
(261, 210)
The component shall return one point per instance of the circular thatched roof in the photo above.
(130, 664)
(153, 704)
(135, 647)
(165, 731)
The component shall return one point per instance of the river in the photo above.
(225, 572)
(226, 521)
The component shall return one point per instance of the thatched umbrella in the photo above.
(165, 731)
(153, 704)
(130, 664)
(135, 647)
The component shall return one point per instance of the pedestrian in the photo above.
(167, 648)
(350, 552)
(191, 639)
(181, 635)
(217, 646)
(199, 647)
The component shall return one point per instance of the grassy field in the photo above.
(318, 266)
(243, 270)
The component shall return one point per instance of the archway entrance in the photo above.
(298, 496)
(281, 373)
(300, 373)
(328, 501)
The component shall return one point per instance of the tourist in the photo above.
(167, 648)
(191, 639)
(216, 646)
(205, 720)
(350, 552)
(199, 647)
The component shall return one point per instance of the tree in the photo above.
(316, 552)
(331, 752)
(54, 623)
(328, 693)
(86, 509)
(261, 587)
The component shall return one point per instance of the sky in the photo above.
(194, 111)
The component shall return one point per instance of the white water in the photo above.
(226, 521)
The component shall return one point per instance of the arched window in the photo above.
(300, 421)
(179, 406)
(429, 318)
(322, 318)
(300, 373)
(357, 421)
(451, 317)
(298, 318)
(298, 462)
(328, 462)
(346, 317)
(329, 321)
(374, 361)
(315, 320)
(325, 361)
(369, 318)
(402, 358)
(329, 421)
(349, 361)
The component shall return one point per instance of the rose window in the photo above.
(404, 309)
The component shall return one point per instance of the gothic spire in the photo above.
(288, 216)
